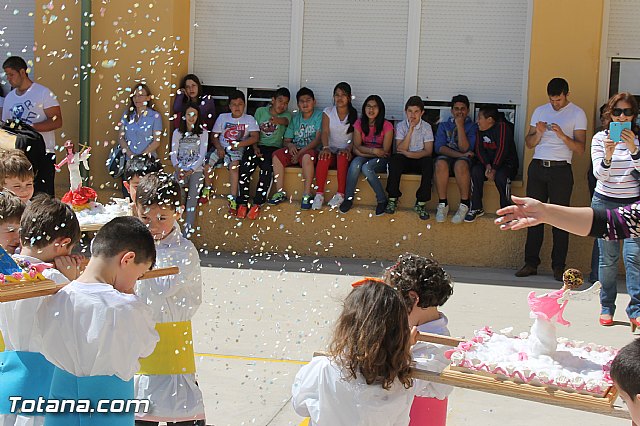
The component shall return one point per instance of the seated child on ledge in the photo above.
(169, 383)
(424, 286)
(48, 231)
(95, 329)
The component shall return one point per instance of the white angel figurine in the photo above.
(548, 309)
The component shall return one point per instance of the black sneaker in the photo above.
(380, 208)
(392, 205)
(346, 206)
(473, 214)
(421, 209)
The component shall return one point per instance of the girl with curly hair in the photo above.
(424, 286)
(364, 379)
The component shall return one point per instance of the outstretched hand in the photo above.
(524, 212)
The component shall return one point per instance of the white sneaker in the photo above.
(463, 209)
(441, 212)
(318, 201)
(336, 200)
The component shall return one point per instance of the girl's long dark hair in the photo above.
(372, 337)
(379, 121)
(197, 126)
(353, 113)
(196, 80)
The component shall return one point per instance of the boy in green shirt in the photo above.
(273, 121)
(301, 141)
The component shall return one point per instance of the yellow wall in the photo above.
(565, 42)
(569, 47)
(57, 55)
(130, 41)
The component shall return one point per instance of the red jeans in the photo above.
(335, 161)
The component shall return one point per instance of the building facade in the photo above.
(501, 52)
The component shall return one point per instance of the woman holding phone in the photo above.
(616, 161)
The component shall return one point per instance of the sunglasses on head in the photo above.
(617, 112)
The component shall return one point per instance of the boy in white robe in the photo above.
(48, 232)
(95, 329)
(167, 378)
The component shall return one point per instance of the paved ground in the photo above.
(263, 317)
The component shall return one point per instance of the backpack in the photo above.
(32, 144)
(116, 162)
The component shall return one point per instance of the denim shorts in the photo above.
(230, 156)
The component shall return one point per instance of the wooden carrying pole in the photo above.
(154, 273)
(440, 340)
(18, 291)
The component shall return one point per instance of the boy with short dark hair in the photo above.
(11, 209)
(137, 167)
(625, 372)
(273, 120)
(414, 146)
(16, 174)
(169, 384)
(455, 144)
(48, 231)
(301, 142)
(95, 329)
(232, 133)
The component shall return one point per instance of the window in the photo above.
(624, 77)
(255, 98)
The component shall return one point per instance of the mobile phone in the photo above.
(550, 127)
(615, 130)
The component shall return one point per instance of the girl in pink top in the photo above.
(372, 141)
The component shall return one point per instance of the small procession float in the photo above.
(534, 365)
(91, 214)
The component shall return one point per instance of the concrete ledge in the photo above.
(360, 234)
(286, 229)
(364, 194)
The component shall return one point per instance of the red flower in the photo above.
(81, 196)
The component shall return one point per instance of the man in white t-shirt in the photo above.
(558, 129)
(37, 106)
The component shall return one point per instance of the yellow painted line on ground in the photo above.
(250, 358)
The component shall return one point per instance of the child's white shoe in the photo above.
(459, 216)
(318, 201)
(336, 200)
(441, 212)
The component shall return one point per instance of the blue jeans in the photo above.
(370, 167)
(608, 267)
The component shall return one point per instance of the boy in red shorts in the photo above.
(301, 140)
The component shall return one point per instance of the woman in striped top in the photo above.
(614, 166)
